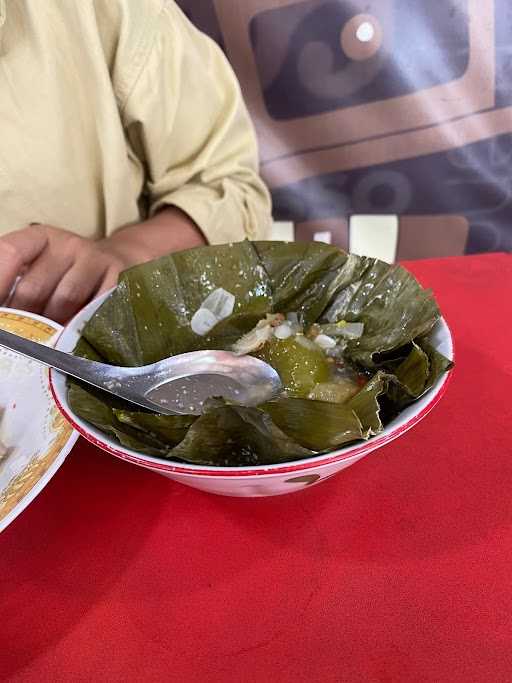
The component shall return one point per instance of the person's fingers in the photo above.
(39, 281)
(110, 279)
(17, 251)
(76, 288)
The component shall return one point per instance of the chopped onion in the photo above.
(324, 341)
(203, 321)
(284, 331)
(216, 307)
(253, 340)
(220, 302)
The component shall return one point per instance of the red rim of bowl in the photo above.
(305, 464)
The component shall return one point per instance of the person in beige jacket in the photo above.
(124, 137)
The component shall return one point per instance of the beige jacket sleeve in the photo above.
(187, 124)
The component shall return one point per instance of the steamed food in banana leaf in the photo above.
(348, 336)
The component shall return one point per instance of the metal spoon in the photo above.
(174, 386)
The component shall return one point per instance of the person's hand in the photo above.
(54, 272)
(59, 271)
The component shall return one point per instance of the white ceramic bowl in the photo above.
(261, 480)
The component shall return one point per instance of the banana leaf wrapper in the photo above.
(148, 318)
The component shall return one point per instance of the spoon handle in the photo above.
(86, 370)
(121, 382)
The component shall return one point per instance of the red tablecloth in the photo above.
(397, 569)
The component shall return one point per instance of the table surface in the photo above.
(397, 569)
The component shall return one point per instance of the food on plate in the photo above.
(348, 335)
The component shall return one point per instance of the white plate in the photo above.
(36, 435)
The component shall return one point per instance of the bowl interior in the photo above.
(440, 337)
